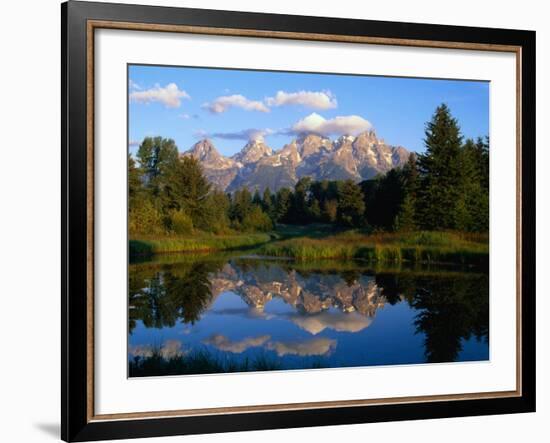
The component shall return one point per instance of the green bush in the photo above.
(180, 223)
(145, 219)
(256, 220)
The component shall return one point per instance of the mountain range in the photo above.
(257, 166)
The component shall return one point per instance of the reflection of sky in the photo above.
(231, 327)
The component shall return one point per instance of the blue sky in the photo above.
(231, 106)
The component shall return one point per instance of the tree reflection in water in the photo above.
(450, 307)
(159, 296)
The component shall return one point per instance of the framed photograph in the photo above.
(276, 221)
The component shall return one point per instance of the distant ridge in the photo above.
(257, 166)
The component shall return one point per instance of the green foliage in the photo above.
(186, 188)
(330, 211)
(256, 220)
(453, 192)
(268, 203)
(350, 204)
(179, 223)
(135, 177)
(473, 206)
(144, 218)
(283, 201)
(405, 219)
(241, 206)
(156, 155)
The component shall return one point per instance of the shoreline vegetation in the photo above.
(202, 361)
(317, 242)
(434, 209)
(199, 243)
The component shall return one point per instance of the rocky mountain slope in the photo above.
(257, 166)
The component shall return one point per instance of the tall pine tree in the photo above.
(438, 203)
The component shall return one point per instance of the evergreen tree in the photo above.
(299, 212)
(482, 148)
(473, 204)
(268, 203)
(186, 188)
(406, 219)
(351, 206)
(389, 198)
(241, 206)
(440, 172)
(283, 201)
(217, 206)
(257, 200)
(314, 210)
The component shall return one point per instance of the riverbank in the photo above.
(418, 247)
(198, 243)
(318, 242)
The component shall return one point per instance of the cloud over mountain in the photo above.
(224, 343)
(246, 134)
(311, 99)
(170, 95)
(223, 103)
(304, 348)
(341, 125)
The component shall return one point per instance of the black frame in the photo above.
(74, 422)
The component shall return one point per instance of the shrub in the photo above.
(179, 223)
(256, 220)
(145, 219)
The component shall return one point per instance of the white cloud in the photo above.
(320, 100)
(170, 96)
(223, 103)
(185, 116)
(341, 125)
(169, 349)
(245, 134)
(314, 346)
(337, 321)
(223, 343)
(133, 85)
(133, 143)
(200, 133)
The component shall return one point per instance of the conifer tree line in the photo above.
(444, 188)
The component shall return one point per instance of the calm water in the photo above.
(304, 315)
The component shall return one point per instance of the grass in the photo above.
(418, 247)
(201, 361)
(198, 243)
(319, 242)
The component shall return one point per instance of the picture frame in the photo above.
(80, 21)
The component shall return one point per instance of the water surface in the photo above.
(295, 315)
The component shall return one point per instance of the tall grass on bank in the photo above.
(422, 247)
(201, 243)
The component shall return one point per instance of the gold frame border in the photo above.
(92, 25)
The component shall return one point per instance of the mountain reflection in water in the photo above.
(303, 315)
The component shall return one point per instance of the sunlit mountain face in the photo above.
(257, 166)
(222, 313)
